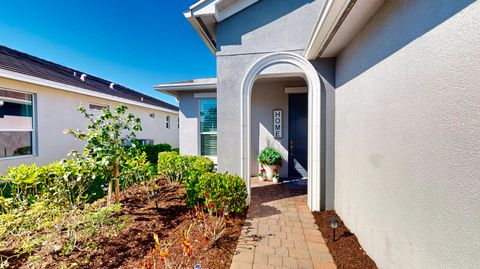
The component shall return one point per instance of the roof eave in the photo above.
(176, 89)
(324, 27)
(201, 30)
(65, 87)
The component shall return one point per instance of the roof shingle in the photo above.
(19, 62)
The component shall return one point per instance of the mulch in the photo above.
(346, 250)
(166, 215)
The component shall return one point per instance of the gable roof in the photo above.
(26, 64)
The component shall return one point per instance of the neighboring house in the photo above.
(39, 99)
(381, 112)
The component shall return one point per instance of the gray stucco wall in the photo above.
(188, 132)
(265, 27)
(267, 96)
(407, 138)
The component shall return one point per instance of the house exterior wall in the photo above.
(241, 40)
(56, 110)
(189, 129)
(407, 135)
(266, 97)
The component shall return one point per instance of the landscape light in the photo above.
(334, 225)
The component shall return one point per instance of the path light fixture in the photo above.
(334, 224)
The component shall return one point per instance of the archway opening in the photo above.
(282, 66)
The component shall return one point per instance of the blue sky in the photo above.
(137, 43)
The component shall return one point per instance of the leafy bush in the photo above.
(67, 181)
(20, 186)
(177, 150)
(222, 192)
(171, 166)
(177, 168)
(197, 167)
(136, 169)
(270, 156)
(152, 151)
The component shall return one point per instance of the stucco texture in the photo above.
(57, 110)
(244, 38)
(189, 129)
(407, 144)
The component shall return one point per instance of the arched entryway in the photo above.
(312, 80)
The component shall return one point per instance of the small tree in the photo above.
(106, 136)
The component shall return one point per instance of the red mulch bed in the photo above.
(346, 251)
(166, 215)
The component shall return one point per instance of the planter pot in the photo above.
(270, 171)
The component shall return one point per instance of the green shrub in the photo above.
(21, 186)
(197, 167)
(270, 156)
(67, 182)
(171, 166)
(222, 191)
(177, 168)
(136, 169)
(152, 151)
(177, 150)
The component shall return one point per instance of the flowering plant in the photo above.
(275, 173)
(262, 172)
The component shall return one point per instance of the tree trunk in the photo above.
(117, 182)
(109, 195)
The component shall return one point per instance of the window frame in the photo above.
(34, 129)
(97, 107)
(167, 122)
(200, 133)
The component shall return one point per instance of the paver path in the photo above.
(280, 232)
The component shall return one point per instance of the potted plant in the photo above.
(270, 159)
(262, 175)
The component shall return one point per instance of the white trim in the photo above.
(296, 89)
(18, 157)
(199, 133)
(314, 119)
(329, 17)
(52, 84)
(232, 9)
(18, 130)
(200, 31)
(204, 95)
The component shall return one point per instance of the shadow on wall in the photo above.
(399, 23)
(256, 16)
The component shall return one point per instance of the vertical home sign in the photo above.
(277, 123)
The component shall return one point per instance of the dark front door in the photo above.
(297, 135)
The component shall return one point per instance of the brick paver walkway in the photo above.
(280, 232)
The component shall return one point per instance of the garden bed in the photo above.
(167, 216)
(346, 250)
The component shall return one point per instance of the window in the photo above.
(145, 141)
(16, 124)
(167, 123)
(178, 122)
(208, 127)
(97, 107)
(152, 115)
